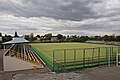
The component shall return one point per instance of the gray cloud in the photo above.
(57, 9)
(83, 17)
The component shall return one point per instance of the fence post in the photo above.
(92, 57)
(112, 56)
(64, 58)
(106, 56)
(118, 49)
(53, 60)
(109, 55)
(98, 56)
(74, 57)
(117, 60)
(83, 58)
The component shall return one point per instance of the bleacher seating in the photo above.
(24, 52)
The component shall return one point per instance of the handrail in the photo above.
(9, 49)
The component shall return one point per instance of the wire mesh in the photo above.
(71, 59)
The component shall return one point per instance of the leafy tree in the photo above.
(97, 38)
(16, 35)
(112, 38)
(109, 38)
(117, 38)
(6, 38)
(0, 34)
(60, 37)
(106, 38)
(48, 36)
(38, 36)
(84, 38)
(27, 37)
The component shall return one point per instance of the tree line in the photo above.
(62, 38)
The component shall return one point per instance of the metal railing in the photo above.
(67, 59)
(71, 59)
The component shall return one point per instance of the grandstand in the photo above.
(21, 54)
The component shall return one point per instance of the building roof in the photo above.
(16, 40)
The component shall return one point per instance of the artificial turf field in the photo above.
(47, 50)
(74, 55)
(48, 47)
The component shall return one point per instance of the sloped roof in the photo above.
(16, 40)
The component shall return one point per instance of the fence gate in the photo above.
(118, 59)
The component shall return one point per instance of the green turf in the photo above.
(47, 49)
(71, 55)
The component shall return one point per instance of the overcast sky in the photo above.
(68, 17)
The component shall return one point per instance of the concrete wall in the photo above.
(13, 64)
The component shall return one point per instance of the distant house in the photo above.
(42, 37)
(38, 38)
(31, 35)
(54, 39)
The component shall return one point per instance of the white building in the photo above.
(54, 38)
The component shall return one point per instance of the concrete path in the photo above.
(97, 73)
(101, 73)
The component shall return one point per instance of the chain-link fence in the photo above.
(71, 59)
(67, 59)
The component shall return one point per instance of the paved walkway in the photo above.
(97, 73)
(101, 73)
(51, 76)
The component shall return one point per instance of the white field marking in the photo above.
(45, 54)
